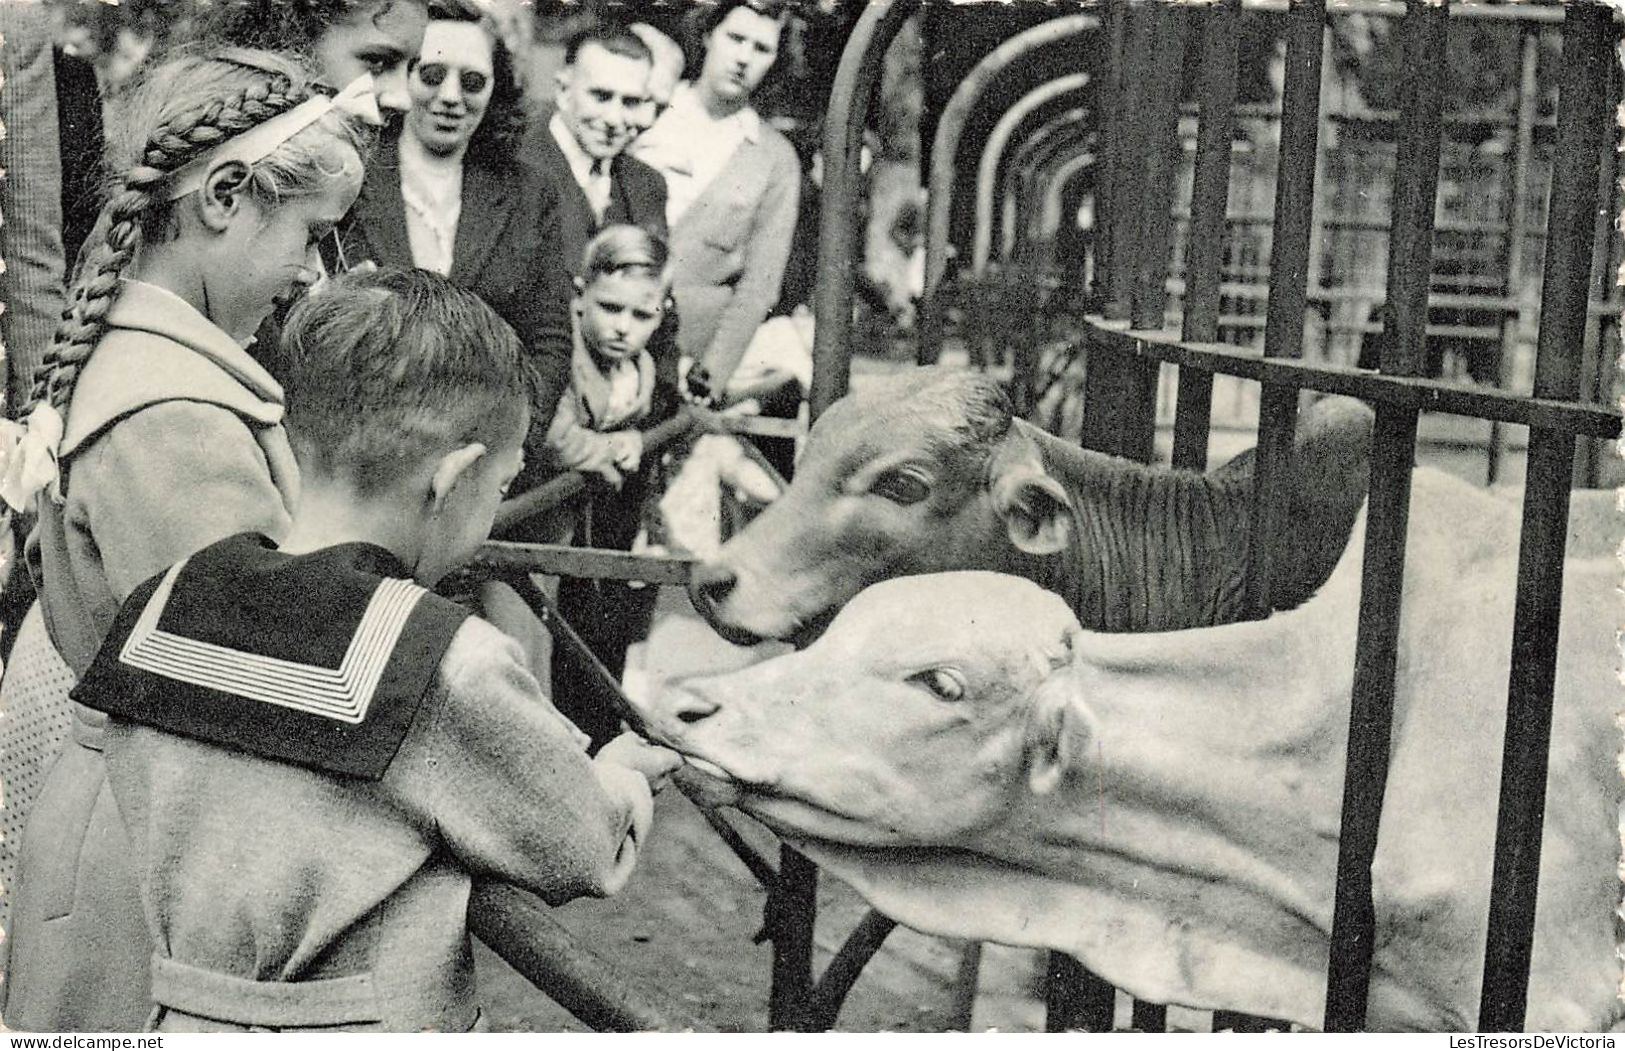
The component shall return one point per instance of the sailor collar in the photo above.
(317, 660)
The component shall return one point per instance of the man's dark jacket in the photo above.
(638, 196)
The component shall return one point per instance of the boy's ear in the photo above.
(221, 198)
(453, 468)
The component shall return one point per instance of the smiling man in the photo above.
(602, 101)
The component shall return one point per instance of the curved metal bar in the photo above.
(843, 971)
(945, 150)
(521, 928)
(987, 169)
(1049, 216)
(1021, 163)
(1032, 176)
(1060, 130)
(849, 101)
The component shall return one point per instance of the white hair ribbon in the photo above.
(359, 99)
(28, 456)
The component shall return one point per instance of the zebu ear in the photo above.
(1060, 725)
(1033, 505)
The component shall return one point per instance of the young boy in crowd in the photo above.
(623, 290)
(314, 754)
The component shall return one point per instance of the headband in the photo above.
(358, 99)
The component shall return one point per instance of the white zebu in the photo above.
(1166, 806)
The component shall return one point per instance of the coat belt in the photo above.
(349, 1000)
(89, 727)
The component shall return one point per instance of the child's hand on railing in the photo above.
(626, 449)
(652, 761)
(695, 382)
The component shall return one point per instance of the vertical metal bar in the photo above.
(1210, 181)
(1101, 390)
(1235, 1022)
(1371, 714)
(1149, 1018)
(1110, 118)
(1595, 366)
(1370, 717)
(849, 102)
(1129, 147)
(1075, 1000)
(1149, 295)
(1158, 150)
(1283, 324)
(1523, 158)
(1210, 204)
(1193, 413)
(1111, 381)
(1100, 372)
(791, 905)
(1317, 212)
(1581, 113)
(1416, 185)
(1295, 179)
(967, 978)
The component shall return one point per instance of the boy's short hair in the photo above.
(622, 247)
(616, 39)
(394, 366)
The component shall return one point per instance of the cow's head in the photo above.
(922, 473)
(893, 728)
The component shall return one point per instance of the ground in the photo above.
(685, 925)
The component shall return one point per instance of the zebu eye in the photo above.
(945, 684)
(901, 487)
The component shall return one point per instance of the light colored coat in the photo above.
(174, 440)
(729, 249)
(284, 898)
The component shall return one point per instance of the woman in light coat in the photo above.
(733, 188)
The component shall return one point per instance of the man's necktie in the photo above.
(598, 188)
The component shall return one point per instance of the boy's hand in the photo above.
(652, 761)
(694, 380)
(607, 471)
(626, 449)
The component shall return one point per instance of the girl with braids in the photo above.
(155, 434)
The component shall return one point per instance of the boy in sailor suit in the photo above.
(314, 754)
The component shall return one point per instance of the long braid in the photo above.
(130, 211)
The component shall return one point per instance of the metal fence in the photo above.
(1124, 312)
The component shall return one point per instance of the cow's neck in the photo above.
(1153, 549)
(1188, 789)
